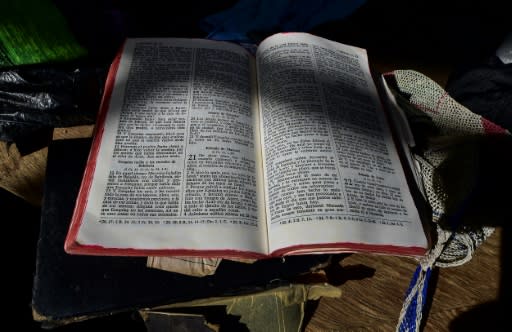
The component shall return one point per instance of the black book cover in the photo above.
(67, 287)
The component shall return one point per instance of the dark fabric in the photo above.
(485, 89)
(102, 25)
(68, 286)
(250, 21)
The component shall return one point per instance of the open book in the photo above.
(204, 149)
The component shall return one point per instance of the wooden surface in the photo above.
(464, 299)
(24, 175)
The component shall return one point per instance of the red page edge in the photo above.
(70, 244)
(350, 247)
(103, 251)
(331, 248)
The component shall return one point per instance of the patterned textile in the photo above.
(34, 31)
(447, 150)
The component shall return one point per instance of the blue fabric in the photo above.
(409, 321)
(249, 21)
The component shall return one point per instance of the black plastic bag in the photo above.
(36, 99)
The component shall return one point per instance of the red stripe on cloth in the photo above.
(438, 105)
(491, 127)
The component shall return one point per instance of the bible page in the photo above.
(177, 168)
(333, 175)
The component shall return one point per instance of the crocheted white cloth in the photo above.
(453, 123)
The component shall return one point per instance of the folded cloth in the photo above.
(485, 89)
(454, 160)
(252, 20)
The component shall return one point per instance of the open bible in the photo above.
(203, 148)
